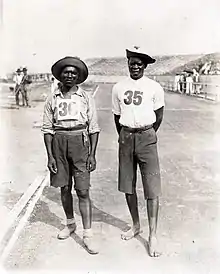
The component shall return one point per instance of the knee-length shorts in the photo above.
(71, 151)
(139, 148)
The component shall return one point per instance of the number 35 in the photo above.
(133, 97)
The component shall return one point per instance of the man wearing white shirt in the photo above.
(138, 104)
(17, 79)
(54, 84)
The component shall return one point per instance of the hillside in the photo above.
(212, 61)
(118, 65)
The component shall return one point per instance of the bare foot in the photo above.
(131, 233)
(153, 247)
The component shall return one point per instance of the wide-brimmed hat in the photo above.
(137, 52)
(70, 61)
(18, 70)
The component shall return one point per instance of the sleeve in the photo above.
(48, 118)
(92, 116)
(115, 101)
(158, 98)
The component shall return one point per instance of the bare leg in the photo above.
(67, 201)
(85, 208)
(152, 210)
(133, 208)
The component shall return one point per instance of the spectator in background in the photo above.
(54, 84)
(206, 68)
(189, 83)
(177, 82)
(25, 88)
(195, 76)
(17, 79)
(182, 82)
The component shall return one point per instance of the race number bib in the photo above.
(133, 97)
(68, 109)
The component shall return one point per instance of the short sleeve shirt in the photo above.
(17, 79)
(136, 100)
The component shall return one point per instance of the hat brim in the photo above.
(57, 68)
(146, 58)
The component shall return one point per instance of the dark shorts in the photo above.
(139, 148)
(71, 151)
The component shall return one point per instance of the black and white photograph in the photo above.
(110, 136)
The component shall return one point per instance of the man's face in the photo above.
(25, 72)
(19, 72)
(136, 67)
(69, 76)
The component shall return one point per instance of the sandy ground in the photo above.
(189, 216)
(22, 156)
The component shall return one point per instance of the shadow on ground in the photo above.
(42, 213)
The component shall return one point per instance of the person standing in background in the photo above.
(17, 79)
(25, 88)
(195, 81)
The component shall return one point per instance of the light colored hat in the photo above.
(136, 51)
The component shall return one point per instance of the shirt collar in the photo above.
(58, 92)
(143, 78)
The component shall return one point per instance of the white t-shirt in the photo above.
(136, 100)
(17, 79)
(54, 85)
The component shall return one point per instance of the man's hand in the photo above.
(91, 163)
(52, 165)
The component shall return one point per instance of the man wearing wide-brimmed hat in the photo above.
(25, 88)
(71, 134)
(138, 104)
(17, 79)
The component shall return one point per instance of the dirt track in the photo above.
(189, 217)
(22, 156)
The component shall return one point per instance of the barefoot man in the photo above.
(71, 134)
(138, 104)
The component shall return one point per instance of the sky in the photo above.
(36, 33)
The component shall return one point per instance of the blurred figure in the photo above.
(196, 86)
(189, 84)
(177, 82)
(17, 79)
(25, 88)
(206, 68)
(182, 82)
(54, 84)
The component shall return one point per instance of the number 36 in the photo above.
(133, 97)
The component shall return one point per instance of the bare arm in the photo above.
(91, 162)
(51, 161)
(117, 124)
(159, 118)
(93, 143)
(48, 144)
